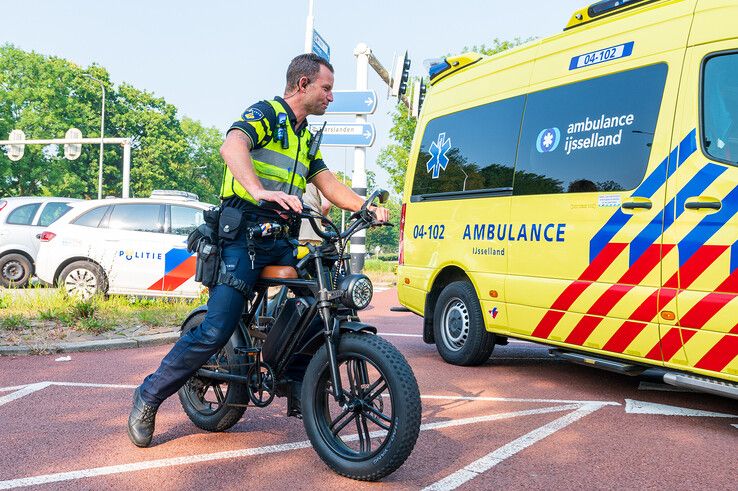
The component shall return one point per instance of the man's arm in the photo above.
(236, 152)
(342, 196)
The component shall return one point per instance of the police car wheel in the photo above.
(458, 326)
(83, 279)
(15, 270)
(214, 405)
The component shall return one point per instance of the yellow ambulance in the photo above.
(582, 191)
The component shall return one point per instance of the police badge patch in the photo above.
(252, 114)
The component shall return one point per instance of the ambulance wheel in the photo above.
(458, 325)
(83, 279)
(15, 270)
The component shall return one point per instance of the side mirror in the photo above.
(383, 196)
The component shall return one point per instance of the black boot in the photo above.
(141, 421)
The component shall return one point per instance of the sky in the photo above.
(213, 59)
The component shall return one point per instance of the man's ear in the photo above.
(303, 83)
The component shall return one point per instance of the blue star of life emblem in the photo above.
(438, 151)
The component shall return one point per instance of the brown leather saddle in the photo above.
(278, 273)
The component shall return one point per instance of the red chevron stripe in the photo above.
(720, 355)
(645, 313)
(634, 275)
(671, 342)
(595, 269)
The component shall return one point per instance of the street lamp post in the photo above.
(102, 135)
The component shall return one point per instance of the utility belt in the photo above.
(230, 224)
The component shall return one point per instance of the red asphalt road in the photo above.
(61, 428)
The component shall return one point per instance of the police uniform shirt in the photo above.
(258, 123)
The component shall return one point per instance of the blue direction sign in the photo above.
(346, 134)
(353, 102)
(320, 47)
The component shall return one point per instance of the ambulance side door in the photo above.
(588, 199)
(701, 271)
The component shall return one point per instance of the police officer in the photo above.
(266, 159)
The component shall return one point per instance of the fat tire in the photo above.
(20, 261)
(406, 406)
(479, 343)
(227, 415)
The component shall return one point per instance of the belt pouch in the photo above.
(229, 223)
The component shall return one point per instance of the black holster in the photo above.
(204, 241)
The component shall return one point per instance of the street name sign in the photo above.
(353, 102)
(320, 46)
(346, 134)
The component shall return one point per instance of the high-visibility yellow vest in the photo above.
(278, 169)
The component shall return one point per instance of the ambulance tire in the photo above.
(214, 405)
(458, 326)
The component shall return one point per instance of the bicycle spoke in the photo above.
(218, 394)
(376, 393)
(365, 438)
(335, 429)
(377, 421)
(380, 414)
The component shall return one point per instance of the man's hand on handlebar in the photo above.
(286, 201)
(381, 213)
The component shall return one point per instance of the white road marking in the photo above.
(510, 399)
(735, 426)
(490, 460)
(10, 389)
(641, 407)
(247, 452)
(98, 386)
(400, 334)
(28, 389)
(661, 387)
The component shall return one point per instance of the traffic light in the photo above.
(418, 97)
(15, 152)
(72, 151)
(400, 77)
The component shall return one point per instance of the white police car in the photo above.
(21, 218)
(133, 246)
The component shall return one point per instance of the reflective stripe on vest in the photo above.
(274, 165)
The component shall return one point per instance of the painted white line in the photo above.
(490, 460)
(28, 389)
(641, 407)
(735, 426)
(151, 464)
(398, 334)
(509, 399)
(11, 389)
(98, 386)
(661, 387)
(247, 452)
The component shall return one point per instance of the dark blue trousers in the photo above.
(225, 307)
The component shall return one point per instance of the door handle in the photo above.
(699, 205)
(632, 205)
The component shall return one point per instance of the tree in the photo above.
(394, 157)
(45, 96)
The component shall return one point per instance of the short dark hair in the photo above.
(305, 65)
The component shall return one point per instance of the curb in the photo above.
(96, 345)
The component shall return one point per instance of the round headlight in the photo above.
(358, 291)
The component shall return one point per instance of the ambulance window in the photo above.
(590, 136)
(91, 218)
(185, 219)
(470, 151)
(137, 217)
(720, 108)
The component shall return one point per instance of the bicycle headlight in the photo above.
(358, 291)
